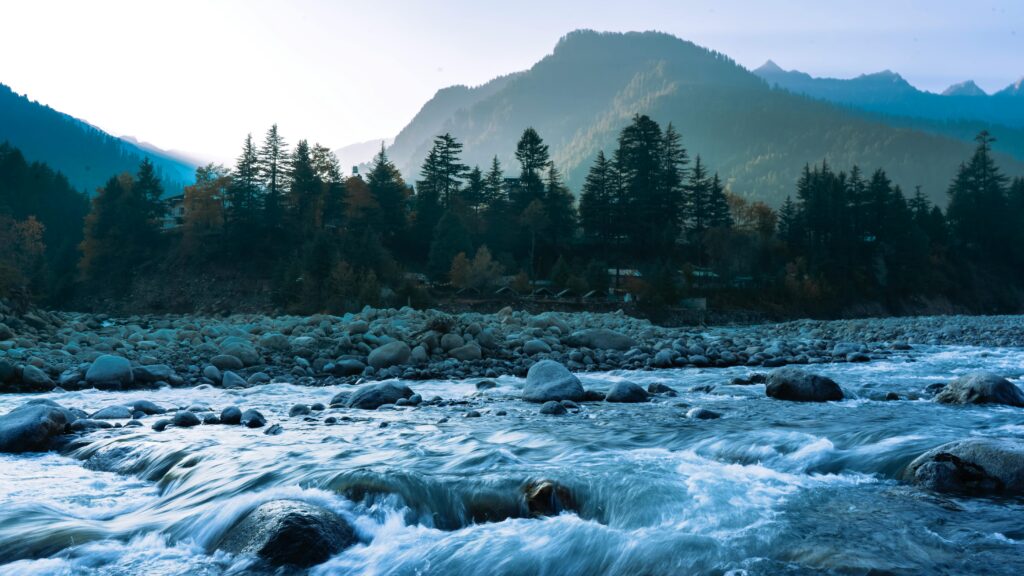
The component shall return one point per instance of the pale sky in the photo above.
(197, 76)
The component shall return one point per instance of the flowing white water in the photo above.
(771, 487)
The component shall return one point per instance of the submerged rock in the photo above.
(289, 533)
(626, 391)
(979, 466)
(548, 380)
(31, 427)
(113, 413)
(552, 408)
(373, 396)
(546, 498)
(790, 383)
(186, 419)
(980, 388)
(231, 415)
(252, 419)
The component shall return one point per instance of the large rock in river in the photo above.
(976, 466)
(548, 380)
(791, 383)
(601, 339)
(31, 427)
(373, 396)
(625, 391)
(390, 354)
(981, 388)
(110, 370)
(289, 533)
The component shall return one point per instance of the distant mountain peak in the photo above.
(1015, 89)
(769, 67)
(968, 88)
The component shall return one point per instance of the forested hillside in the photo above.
(579, 97)
(85, 155)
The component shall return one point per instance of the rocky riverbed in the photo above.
(42, 350)
(409, 442)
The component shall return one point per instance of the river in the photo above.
(771, 487)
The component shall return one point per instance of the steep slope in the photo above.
(86, 155)
(758, 138)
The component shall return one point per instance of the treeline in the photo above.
(659, 219)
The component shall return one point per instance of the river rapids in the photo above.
(771, 487)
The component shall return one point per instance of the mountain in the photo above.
(581, 95)
(360, 153)
(968, 88)
(1015, 90)
(888, 93)
(86, 155)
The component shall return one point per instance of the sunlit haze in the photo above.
(197, 76)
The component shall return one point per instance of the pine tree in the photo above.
(718, 206)
(533, 157)
(273, 170)
(698, 192)
(245, 188)
(977, 202)
(303, 192)
(558, 204)
(788, 225)
(149, 191)
(474, 194)
(599, 213)
(333, 194)
(391, 194)
(498, 211)
(640, 162)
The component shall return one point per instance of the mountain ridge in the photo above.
(84, 153)
(580, 95)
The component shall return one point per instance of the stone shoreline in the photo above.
(41, 350)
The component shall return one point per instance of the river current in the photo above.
(771, 487)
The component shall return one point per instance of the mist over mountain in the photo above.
(757, 137)
(360, 153)
(86, 155)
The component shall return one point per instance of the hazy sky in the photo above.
(197, 76)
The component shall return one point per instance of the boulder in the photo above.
(153, 373)
(466, 352)
(227, 362)
(7, 372)
(146, 407)
(601, 339)
(244, 351)
(546, 498)
(626, 391)
(275, 342)
(31, 427)
(790, 383)
(548, 380)
(451, 341)
(552, 408)
(252, 419)
(981, 388)
(113, 413)
(186, 419)
(232, 380)
(231, 415)
(289, 533)
(35, 379)
(298, 410)
(373, 396)
(390, 354)
(348, 367)
(979, 466)
(699, 413)
(536, 346)
(110, 370)
(88, 425)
